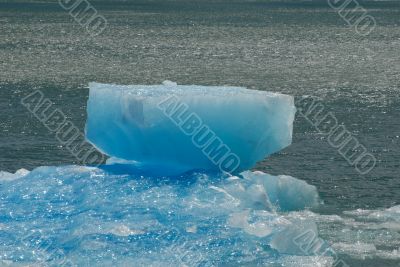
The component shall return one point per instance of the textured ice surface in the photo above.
(103, 216)
(4, 176)
(179, 127)
(359, 235)
(89, 216)
(283, 192)
(127, 214)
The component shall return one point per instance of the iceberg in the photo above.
(176, 191)
(181, 128)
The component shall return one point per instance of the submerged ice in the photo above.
(189, 127)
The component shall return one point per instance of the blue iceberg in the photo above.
(189, 127)
(176, 192)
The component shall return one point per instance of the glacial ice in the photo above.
(182, 128)
(7, 176)
(106, 216)
(161, 201)
(101, 216)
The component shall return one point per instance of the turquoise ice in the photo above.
(168, 197)
(182, 128)
(80, 216)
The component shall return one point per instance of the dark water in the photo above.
(294, 49)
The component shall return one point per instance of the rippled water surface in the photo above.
(299, 50)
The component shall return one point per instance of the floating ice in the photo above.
(188, 127)
(387, 215)
(106, 216)
(285, 192)
(361, 234)
(102, 216)
(7, 176)
(125, 214)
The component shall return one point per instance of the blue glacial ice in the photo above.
(102, 216)
(128, 214)
(183, 127)
(161, 201)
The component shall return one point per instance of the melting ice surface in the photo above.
(104, 215)
(182, 127)
(125, 214)
(87, 216)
